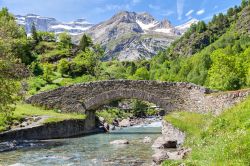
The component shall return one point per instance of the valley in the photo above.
(164, 94)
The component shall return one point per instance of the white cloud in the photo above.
(154, 7)
(136, 1)
(180, 6)
(215, 7)
(112, 7)
(167, 13)
(200, 12)
(189, 12)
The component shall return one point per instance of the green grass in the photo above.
(222, 140)
(26, 110)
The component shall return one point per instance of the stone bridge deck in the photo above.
(169, 96)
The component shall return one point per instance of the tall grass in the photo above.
(222, 140)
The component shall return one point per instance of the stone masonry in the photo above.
(169, 96)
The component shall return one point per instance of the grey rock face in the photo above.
(132, 36)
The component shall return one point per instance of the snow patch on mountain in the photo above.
(164, 30)
(184, 27)
(147, 26)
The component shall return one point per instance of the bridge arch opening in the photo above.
(94, 103)
(106, 97)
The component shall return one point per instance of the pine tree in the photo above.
(34, 33)
(85, 42)
(244, 3)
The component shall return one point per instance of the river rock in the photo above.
(119, 142)
(179, 154)
(163, 142)
(8, 146)
(125, 123)
(147, 140)
(160, 156)
(172, 133)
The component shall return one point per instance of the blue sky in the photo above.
(177, 11)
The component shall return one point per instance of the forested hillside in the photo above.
(216, 55)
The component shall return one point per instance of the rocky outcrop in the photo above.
(124, 123)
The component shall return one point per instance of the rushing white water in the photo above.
(153, 124)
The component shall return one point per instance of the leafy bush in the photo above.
(112, 113)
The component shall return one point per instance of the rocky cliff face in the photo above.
(132, 36)
(52, 25)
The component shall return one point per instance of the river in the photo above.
(92, 150)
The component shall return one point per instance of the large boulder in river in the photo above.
(163, 142)
(119, 142)
(125, 123)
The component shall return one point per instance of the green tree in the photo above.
(223, 74)
(244, 3)
(34, 33)
(85, 42)
(65, 40)
(139, 108)
(63, 66)
(86, 63)
(46, 36)
(201, 27)
(11, 68)
(141, 74)
(48, 72)
(36, 68)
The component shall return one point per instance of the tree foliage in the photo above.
(85, 42)
(12, 43)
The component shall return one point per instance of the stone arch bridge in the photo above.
(87, 97)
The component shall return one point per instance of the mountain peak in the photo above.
(165, 24)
